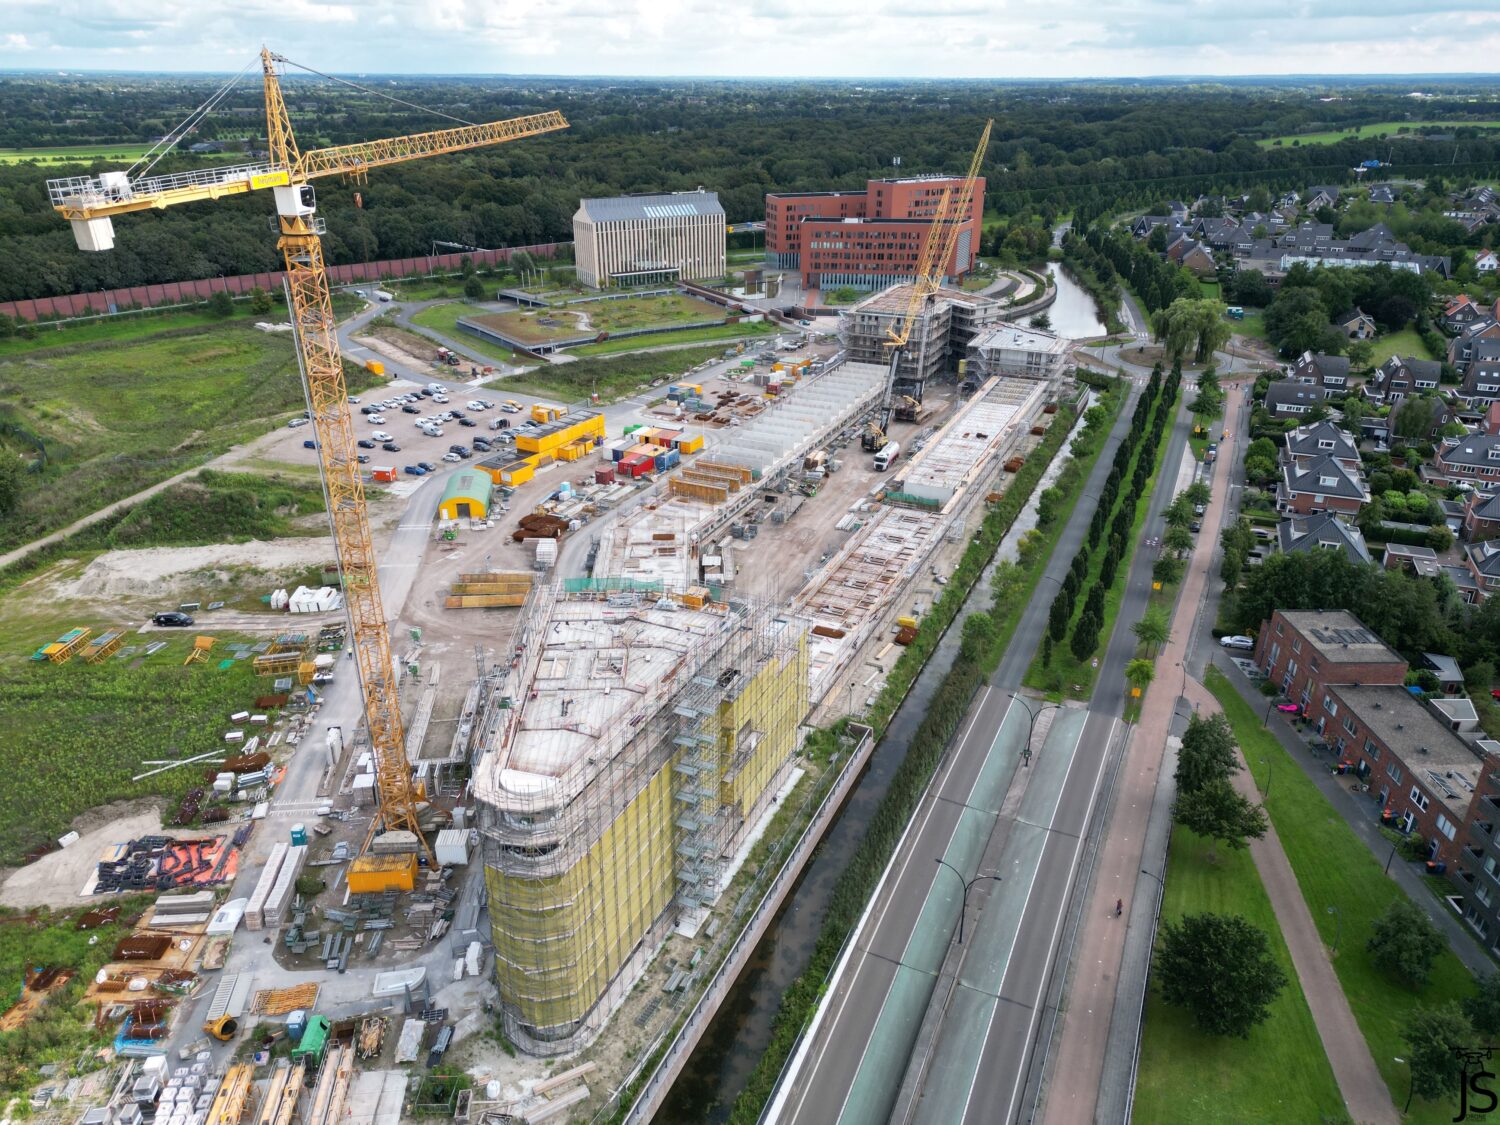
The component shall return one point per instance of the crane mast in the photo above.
(90, 203)
(938, 249)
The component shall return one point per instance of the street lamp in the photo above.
(968, 886)
(1154, 875)
(1338, 932)
(1266, 794)
(1031, 727)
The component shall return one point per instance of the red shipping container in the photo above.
(383, 474)
(604, 476)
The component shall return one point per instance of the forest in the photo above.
(1085, 148)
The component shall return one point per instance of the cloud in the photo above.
(835, 38)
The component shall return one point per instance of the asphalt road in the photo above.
(853, 1060)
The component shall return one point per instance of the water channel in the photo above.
(741, 1030)
(1074, 313)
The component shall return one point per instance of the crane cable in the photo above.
(375, 93)
(170, 141)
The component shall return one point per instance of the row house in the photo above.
(1473, 457)
(1305, 651)
(1322, 532)
(1477, 874)
(1461, 349)
(1291, 398)
(1400, 376)
(1331, 372)
(1321, 485)
(1482, 560)
(1422, 562)
(1481, 385)
(1313, 442)
(1420, 771)
(1460, 312)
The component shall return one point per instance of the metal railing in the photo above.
(92, 191)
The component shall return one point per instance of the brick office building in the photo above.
(867, 239)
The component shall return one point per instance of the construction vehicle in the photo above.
(909, 409)
(224, 1028)
(938, 249)
(872, 438)
(90, 203)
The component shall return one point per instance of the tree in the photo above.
(1296, 319)
(1355, 410)
(1483, 1008)
(1219, 967)
(1191, 326)
(1085, 637)
(12, 473)
(1416, 418)
(1178, 539)
(1153, 629)
(221, 304)
(1166, 570)
(1260, 461)
(1139, 674)
(1404, 943)
(474, 288)
(260, 301)
(1059, 616)
(1207, 754)
(1435, 1041)
(1198, 493)
(1217, 812)
(522, 262)
(1042, 321)
(1179, 512)
(1359, 352)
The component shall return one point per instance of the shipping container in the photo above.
(383, 472)
(375, 874)
(604, 476)
(374, 367)
(689, 443)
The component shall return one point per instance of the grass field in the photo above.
(1281, 1072)
(1403, 343)
(444, 319)
(1335, 869)
(1365, 131)
(87, 154)
(118, 414)
(611, 376)
(72, 735)
(726, 332)
(543, 326)
(1253, 326)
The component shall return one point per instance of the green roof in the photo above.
(469, 486)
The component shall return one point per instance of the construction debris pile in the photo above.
(161, 863)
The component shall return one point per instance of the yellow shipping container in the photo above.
(689, 443)
(374, 367)
(518, 472)
(375, 874)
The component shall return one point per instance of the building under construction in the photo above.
(637, 738)
(950, 320)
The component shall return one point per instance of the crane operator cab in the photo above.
(296, 201)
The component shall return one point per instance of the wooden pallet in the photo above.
(280, 1001)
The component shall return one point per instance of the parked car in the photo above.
(363, 458)
(1289, 708)
(456, 412)
(436, 388)
(467, 422)
(1237, 640)
(500, 424)
(427, 466)
(482, 445)
(353, 400)
(457, 447)
(439, 397)
(376, 419)
(475, 404)
(391, 447)
(1195, 527)
(414, 470)
(381, 435)
(365, 443)
(309, 444)
(452, 457)
(322, 677)
(173, 619)
(368, 410)
(295, 423)
(408, 408)
(427, 392)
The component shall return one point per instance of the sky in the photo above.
(794, 38)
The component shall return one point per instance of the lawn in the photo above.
(1364, 132)
(1335, 870)
(1403, 343)
(1210, 289)
(1281, 1072)
(72, 735)
(1253, 326)
(579, 318)
(88, 154)
(725, 332)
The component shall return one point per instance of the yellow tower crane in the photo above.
(89, 204)
(938, 249)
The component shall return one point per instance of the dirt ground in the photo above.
(405, 348)
(56, 878)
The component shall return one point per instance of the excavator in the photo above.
(90, 204)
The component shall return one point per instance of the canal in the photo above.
(1074, 313)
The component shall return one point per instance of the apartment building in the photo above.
(1304, 652)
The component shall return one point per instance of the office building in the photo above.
(639, 240)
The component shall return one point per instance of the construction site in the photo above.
(577, 684)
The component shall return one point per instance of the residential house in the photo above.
(1450, 676)
(1178, 209)
(1331, 372)
(1356, 325)
(1419, 771)
(1198, 260)
(1481, 385)
(1384, 429)
(1422, 562)
(1474, 458)
(1144, 225)
(1490, 423)
(1322, 532)
(1481, 515)
(1321, 196)
(1400, 376)
(1460, 312)
(1477, 873)
(1305, 651)
(1483, 561)
(1486, 261)
(1461, 347)
(1382, 193)
(1323, 485)
(1288, 399)
(1313, 442)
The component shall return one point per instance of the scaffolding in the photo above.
(627, 746)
